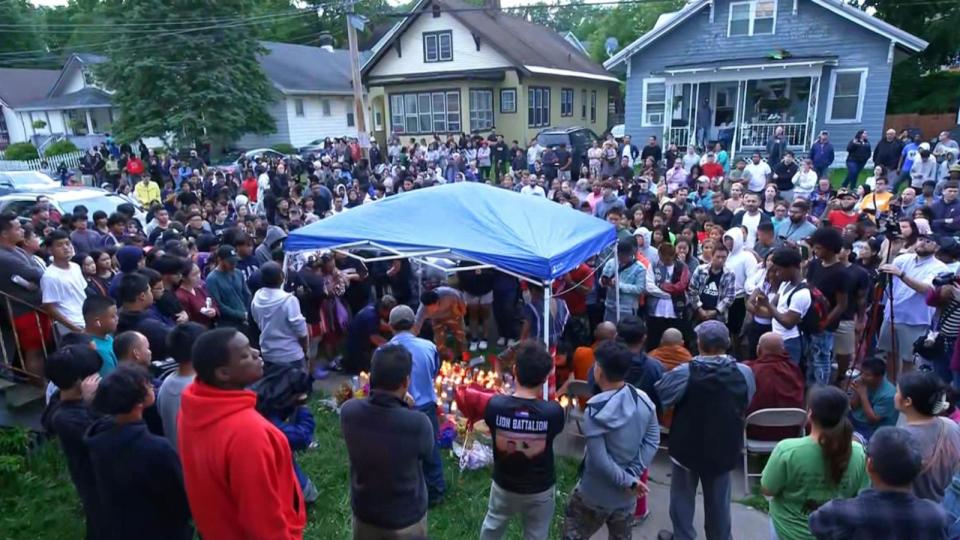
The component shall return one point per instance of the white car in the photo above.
(66, 199)
(230, 163)
(11, 181)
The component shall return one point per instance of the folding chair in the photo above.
(767, 418)
(577, 389)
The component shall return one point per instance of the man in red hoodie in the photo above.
(237, 466)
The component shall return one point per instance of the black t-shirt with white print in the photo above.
(523, 431)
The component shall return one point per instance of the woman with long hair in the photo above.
(200, 307)
(806, 472)
(771, 196)
(104, 262)
(89, 267)
(922, 397)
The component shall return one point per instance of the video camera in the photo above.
(945, 278)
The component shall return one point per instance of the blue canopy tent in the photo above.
(528, 237)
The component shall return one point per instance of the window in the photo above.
(752, 18)
(538, 106)
(438, 46)
(566, 102)
(654, 102)
(593, 106)
(583, 104)
(4, 133)
(325, 107)
(481, 109)
(350, 119)
(298, 105)
(425, 112)
(377, 120)
(847, 88)
(508, 100)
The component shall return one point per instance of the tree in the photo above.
(199, 83)
(625, 22)
(19, 40)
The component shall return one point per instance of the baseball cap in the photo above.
(400, 314)
(924, 146)
(227, 253)
(713, 335)
(845, 193)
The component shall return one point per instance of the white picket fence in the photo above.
(72, 160)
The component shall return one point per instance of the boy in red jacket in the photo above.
(237, 466)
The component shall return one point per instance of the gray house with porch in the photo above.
(732, 71)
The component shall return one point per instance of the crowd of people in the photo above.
(179, 352)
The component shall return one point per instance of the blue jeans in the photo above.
(794, 347)
(433, 466)
(853, 171)
(820, 359)
(822, 172)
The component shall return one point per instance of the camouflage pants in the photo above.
(581, 521)
(453, 327)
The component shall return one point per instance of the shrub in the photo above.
(285, 148)
(21, 152)
(59, 148)
(38, 124)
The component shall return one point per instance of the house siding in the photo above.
(278, 110)
(812, 31)
(465, 53)
(313, 124)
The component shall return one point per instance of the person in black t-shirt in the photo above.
(523, 427)
(828, 274)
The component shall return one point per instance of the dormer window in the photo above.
(752, 18)
(438, 46)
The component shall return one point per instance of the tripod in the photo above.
(874, 321)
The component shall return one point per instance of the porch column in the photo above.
(89, 122)
(813, 108)
(667, 113)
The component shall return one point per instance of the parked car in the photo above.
(230, 163)
(578, 141)
(311, 147)
(66, 199)
(11, 181)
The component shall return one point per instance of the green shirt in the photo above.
(881, 400)
(104, 347)
(796, 475)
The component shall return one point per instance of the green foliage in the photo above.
(20, 15)
(913, 92)
(199, 85)
(21, 152)
(285, 148)
(59, 148)
(38, 124)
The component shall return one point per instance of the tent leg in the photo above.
(547, 292)
(616, 286)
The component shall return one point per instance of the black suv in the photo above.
(578, 141)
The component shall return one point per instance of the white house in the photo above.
(313, 99)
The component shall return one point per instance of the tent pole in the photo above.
(547, 291)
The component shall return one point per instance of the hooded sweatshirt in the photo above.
(139, 482)
(648, 251)
(263, 251)
(277, 314)
(622, 437)
(740, 261)
(237, 467)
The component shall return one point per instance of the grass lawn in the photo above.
(38, 502)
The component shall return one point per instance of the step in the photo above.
(23, 394)
(4, 384)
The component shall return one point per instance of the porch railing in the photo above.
(677, 135)
(755, 135)
(72, 161)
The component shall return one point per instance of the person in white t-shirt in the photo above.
(63, 285)
(792, 300)
(757, 173)
(529, 188)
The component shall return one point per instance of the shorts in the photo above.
(33, 330)
(907, 335)
(844, 338)
(482, 300)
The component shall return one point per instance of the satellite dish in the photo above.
(610, 45)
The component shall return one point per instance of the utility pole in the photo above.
(360, 118)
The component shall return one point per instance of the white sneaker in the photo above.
(473, 346)
(483, 344)
(502, 342)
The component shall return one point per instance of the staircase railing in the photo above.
(7, 301)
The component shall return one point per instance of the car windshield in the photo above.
(107, 202)
(227, 159)
(31, 178)
(551, 139)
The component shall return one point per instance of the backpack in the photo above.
(813, 320)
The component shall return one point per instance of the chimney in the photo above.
(326, 41)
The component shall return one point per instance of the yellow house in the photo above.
(451, 67)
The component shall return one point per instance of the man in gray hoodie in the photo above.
(283, 329)
(622, 434)
(264, 252)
